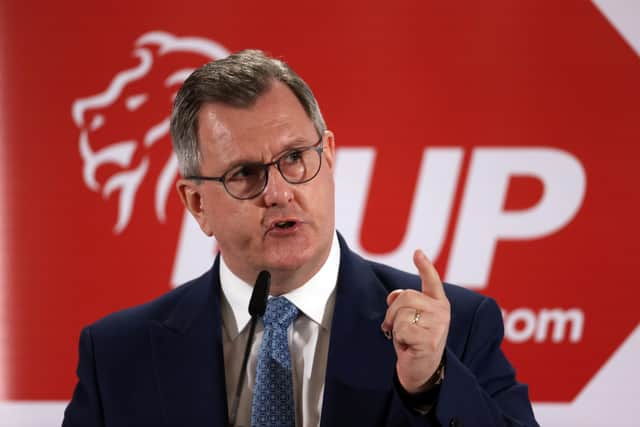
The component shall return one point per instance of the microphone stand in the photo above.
(257, 307)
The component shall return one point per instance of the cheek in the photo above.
(230, 218)
(327, 191)
(322, 200)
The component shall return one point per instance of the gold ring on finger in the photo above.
(416, 317)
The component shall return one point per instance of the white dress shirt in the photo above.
(308, 339)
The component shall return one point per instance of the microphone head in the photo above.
(258, 302)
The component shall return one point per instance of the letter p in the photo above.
(483, 221)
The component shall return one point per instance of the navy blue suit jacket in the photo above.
(161, 363)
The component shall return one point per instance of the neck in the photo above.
(283, 282)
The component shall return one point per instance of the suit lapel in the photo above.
(188, 358)
(361, 360)
(189, 364)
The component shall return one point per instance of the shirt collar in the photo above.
(310, 298)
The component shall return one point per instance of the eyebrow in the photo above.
(288, 146)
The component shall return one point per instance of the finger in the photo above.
(431, 283)
(391, 298)
(407, 317)
(405, 332)
(416, 332)
(385, 326)
(406, 299)
(393, 295)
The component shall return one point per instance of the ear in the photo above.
(329, 149)
(192, 198)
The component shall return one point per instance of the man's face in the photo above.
(246, 230)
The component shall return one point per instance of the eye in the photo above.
(245, 172)
(294, 156)
(135, 101)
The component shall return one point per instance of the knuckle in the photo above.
(389, 316)
(404, 296)
(388, 319)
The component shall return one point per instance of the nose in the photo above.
(278, 192)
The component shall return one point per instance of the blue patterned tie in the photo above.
(273, 393)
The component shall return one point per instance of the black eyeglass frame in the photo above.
(318, 147)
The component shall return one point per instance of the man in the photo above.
(362, 344)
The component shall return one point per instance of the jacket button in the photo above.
(455, 422)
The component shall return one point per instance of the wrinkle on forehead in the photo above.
(276, 121)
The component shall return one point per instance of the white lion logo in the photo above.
(126, 159)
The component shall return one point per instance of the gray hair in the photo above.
(237, 80)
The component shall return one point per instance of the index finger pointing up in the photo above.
(431, 284)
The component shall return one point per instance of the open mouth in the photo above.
(285, 224)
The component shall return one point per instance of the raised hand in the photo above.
(419, 322)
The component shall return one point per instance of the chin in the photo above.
(291, 261)
(292, 255)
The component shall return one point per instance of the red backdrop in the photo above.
(401, 81)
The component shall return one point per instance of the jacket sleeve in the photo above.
(85, 408)
(479, 386)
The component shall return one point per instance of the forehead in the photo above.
(276, 120)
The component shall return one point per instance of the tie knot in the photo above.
(280, 313)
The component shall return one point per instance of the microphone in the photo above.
(258, 301)
(257, 307)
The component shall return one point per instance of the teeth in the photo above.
(284, 224)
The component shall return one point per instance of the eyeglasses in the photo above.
(248, 180)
